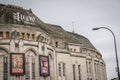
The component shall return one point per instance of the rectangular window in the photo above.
(74, 78)
(59, 69)
(33, 71)
(33, 37)
(56, 44)
(27, 70)
(79, 72)
(1, 34)
(90, 67)
(74, 50)
(95, 67)
(23, 35)
(7, 35)
(87, 66)
(28, 36)
(5, 69)
(33, 68)
(63, 69)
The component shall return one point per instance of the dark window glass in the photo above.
(1, 34)
(74, 72)
(7, 35)
(59, 69)
(56, 44)
(63, 69)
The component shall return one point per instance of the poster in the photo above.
(44, 65)
(17, 66)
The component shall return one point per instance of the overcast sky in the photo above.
(86, 14)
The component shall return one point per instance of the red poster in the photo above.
(17, 64)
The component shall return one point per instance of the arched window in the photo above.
(61, 67)
(79, 72)
(30, 65)
(3, 65)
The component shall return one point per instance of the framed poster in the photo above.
(44, 65)
(17, 64)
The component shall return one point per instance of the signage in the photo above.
(25, 19)
(17, 66)
(44, 65)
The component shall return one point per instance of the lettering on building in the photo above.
(21, 18)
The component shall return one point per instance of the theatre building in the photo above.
(31, 49)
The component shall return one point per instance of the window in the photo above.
(30, 65)
(74, 50)
(1, 34)
(91, 79)
(90, 67)
(3, 65)
(74, 78)
(33, 69)
(7, 35)
(59, 69)
(63, 69)
(28, 36)
(27, 73)
(5, 69)
(33, 37)
(23, 36)
(79, 72)
(95, 67)
(87, 66)
(56, 44)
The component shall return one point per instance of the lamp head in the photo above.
(96, 28)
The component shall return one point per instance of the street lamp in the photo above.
(115, 47)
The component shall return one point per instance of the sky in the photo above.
(85, 15)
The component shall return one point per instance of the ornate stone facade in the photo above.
(71, 56)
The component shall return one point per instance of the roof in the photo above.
(79, 39)
(55, 31)
(58, 32)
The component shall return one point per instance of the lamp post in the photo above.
(115, 47)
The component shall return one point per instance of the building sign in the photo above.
(17, 66)
(24, 19)
(17, 15)
(44, 66)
